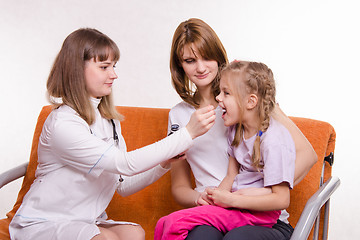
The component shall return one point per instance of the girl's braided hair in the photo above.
(253, 78)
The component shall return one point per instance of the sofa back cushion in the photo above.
(143, 126)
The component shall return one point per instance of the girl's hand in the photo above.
(220, 197)
(204, 200)
(201, 121)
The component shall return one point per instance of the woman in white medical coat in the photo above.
(82, 157)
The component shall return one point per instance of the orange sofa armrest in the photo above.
(322, 137)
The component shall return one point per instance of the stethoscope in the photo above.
(116, 141)
(115, 135)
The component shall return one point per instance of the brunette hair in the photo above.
(253, 78)
(209, 46)
(67, 77)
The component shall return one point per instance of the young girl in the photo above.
(196, 55)
(82, 157)
(261, 163)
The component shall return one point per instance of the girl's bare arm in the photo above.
(278, 199)
(233, 170)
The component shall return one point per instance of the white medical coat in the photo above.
(78, 171)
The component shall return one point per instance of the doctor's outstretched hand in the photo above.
(201, 121)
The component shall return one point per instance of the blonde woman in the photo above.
(82, 156)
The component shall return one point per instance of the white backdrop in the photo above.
(311, 46)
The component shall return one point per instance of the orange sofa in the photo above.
(143, 126)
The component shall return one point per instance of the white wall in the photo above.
(312, 47)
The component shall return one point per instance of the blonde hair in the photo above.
(67, 76)
(197, 32)
(253, 78)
